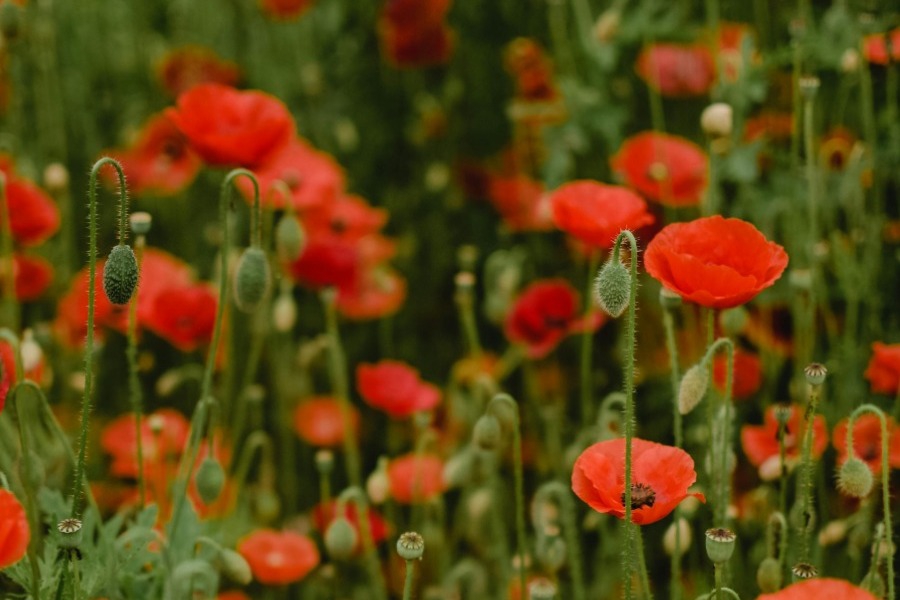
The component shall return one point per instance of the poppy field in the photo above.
(449, 300)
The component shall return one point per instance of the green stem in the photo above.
(408, 583)
(30, 497)
(723, 479)
(465, 302)
(257, 439)
(562, 494)
(10, 305)
(806, 486)
(719, 567)
(672, 347)
(642, 564)
(356, 495)
(134, 383)
(586, 338)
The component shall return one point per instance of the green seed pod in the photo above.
(612, 288)
(120, 274)
(70, 533)
(410, 546)
(341, 539)
(289, 237)
(769, 575)
(693, 387)
(251, 279)
(210, 480)
(815, 373)
(235, 567)
(855, 478)
(487, 434)
(720, 544)
(802, 571)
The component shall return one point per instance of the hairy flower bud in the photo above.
(340, 539)
(487, 434)
(693, 387)
(612, 288)
(120, 274)
(251, 279)
(677, 537)
(855, 478)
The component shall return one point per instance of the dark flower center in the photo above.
(641, 495)
(555, 322)
(173, 149)
(292, 179)
(869, 452)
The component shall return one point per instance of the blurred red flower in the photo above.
(33, 276)
(883, 371)
(184, 316)
(760, 442)
(164, 434)
(661, 476)
(326, 261)
(380, 292)
(522, 202)
(14, 531)
(677, 70)
(714, 262)
(285, 9)
(665, 168)
(33, 215)
(415, 478)
(545, 313)
(820, 588)
(324, 514)
(595, 213)
(319, 421)
(160, 161)
(867, 441)
(183, 68)
(278, 558)
(34, 372)
(747, 374)
(229, 127)
(413, 33)
(526, 61)
(350, 218)
(395, 388)
(875, 47)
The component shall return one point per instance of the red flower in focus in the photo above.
(395, 388)
(324, 514)
(677, 70)
(747, 374)
(379, 292)
(185, 67)
(875, 47)
(14, 528)
(33, 215)
(595, 213)
(158, 162)
(278, 558)
(715, 262)
(760, 442)
(285, 9)
(867, 441)
(184, 316)
(666, 168)
(820, 588)
(230, 127)
(319, 421)
(413, 33)
(522, 202)
(312, 178)
(545, 313)
(414, 479)
(33, 276)
(164, 434)
(883, 371)
(661, 476)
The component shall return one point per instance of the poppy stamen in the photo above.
(658, 172)
(641, 495)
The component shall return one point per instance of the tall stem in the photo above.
(672, 347)
(806, 487)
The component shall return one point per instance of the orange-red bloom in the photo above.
(415, 478)
(230, 127)
(279, 558)
(661, 476)
(875, 47)
(163, 437)
(883, 371)
(395, 388)
(545, 313)
(760, 442)
(666, 168)
(867, 441)
(522, 202)
(715, 262)
(677, 70)
(285, 9)
(183, 68)
(14, 531)
(525, 60)
(184, 315)
(747, 374)
(823, 588)
(379, 292)
(595, 213)
(33, 276)
(319, 421)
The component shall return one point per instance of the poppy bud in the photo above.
(324, 461)
(32, 354)
(542, 589)
(267, 505)
(855, 478)
(693, 388)
(720, 544)
(120, 274)
(769, 575)
(378, 486)
(802, 571)
(607, 26)
(487, 433)
(251, 279)
(874, 583)
(682, 528)
(193, 578)
(612, 288)
(717, 119)
(340, 539)
(850, 60)
(235, 567)
(458, 469)
(289, 237)
(70, 533)
(733, 320)
(833, 533)
(210, 480)
(410, 545)
(284, 312)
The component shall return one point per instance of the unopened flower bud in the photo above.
(720, 544)
(251, 279)
(850, 60)
(693, 387)
(855, 478)
(612, 288)
(193, 578)
(717, 120)
(378, 487)
(266, 505)
(487, 434)
(120, 274)
(284, 312)
(289, 237)
(32, 354)
(550, 552)
(235, 567)
(410, 546)
(677, 537)
(340, 539)
(210, 480)
(834, 532)
(769, 576)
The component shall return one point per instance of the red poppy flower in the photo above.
(595, 213)
(875, 47)
(285, 9)
(522, 202)
(184, 316)
(666, 168)
(313, 178)
(677, 70)
(14, 531)
(413, 33)
(747, 374)
(414, 479)
(164, 434)
(395, 388)
(327, 261)
(183, 68)
(867, 441)
(278, 558)
(319, 421)
(230, 127)
(820, 588)
(526, 61)
(883, 371)
(661, 476)
(349, 218)
(775, 126)
(33, 215)
(380, 292)
(233, 595)
(33, 276)
(159, 162)
(715, 262)
(545, 313)
(324, 514)
(7, 371)
(760, 442)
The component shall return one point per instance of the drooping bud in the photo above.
(284, 312)
(266, 505)
(378, 485)
(120, 274)
(340, 539)
(720, 544)
(487, 434)
(693, 387)
(251, 279)
(410, 546)
(550, 552)
(612, 288)
(289, 237)
(235, 567)
(855, 478)
(769, 576)
(193, 578)
(210, 480)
